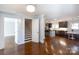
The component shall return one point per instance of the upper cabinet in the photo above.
(63, 24)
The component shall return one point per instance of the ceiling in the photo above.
(51, 11)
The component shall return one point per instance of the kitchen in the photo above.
(65, 28)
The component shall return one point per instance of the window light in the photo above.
(75, 26)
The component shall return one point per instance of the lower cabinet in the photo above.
(76, 36)
(52, 33)
(61, 33)
(65, 35)
(47, 32)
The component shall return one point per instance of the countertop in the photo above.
(59, 29)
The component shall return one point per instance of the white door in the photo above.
(35, 30)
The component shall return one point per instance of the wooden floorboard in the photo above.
(52, 46)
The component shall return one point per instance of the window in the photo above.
(55, 26)
(9, 26)
(75, 26)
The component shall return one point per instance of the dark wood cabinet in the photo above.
(63, 24)
(65, 34)
(75, 36)
(61, 33)
(49, 25)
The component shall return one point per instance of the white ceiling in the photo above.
(51, 11)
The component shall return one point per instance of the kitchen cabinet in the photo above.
(52, 33)
(61, 33)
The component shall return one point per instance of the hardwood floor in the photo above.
(34, 48)
(30, 48)
(52, 46)
(59, 46)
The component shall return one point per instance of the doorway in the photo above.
(28, 30)
(32, 30)
(9, 35)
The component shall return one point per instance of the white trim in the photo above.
(1, 48)
(35, 41)
(20, 43)
(42, 41)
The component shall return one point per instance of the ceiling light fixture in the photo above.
(30, 8)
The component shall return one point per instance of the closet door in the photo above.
(35, 30)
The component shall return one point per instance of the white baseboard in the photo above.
(20, 43)
(35, 41)
(42, 41)
(1, 48)
(38, 41)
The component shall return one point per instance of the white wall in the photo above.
(42, 28)
(19, 31)
(38, 29)
(1, 32)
